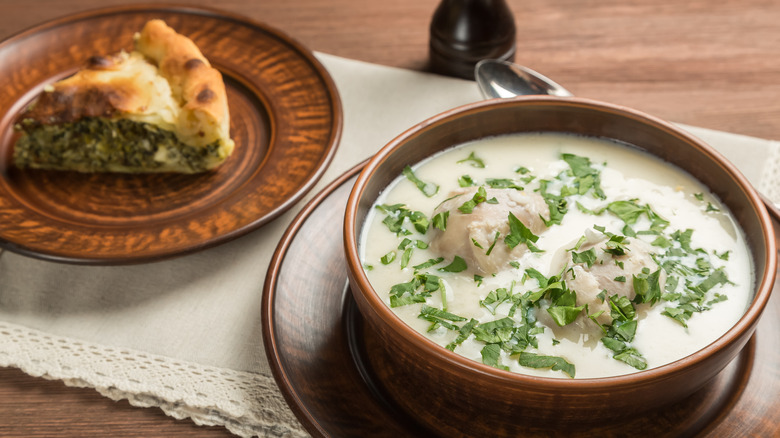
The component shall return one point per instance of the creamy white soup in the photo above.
(557, 256)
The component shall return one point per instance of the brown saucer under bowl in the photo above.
(445, 391)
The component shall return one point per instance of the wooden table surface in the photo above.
(709, 63)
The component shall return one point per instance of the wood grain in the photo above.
(710, 63)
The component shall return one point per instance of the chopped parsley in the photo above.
(428, 189)
(466, 181)
(585, 257)
(417, 290)
(388, 258)
(428, 263)
(519, 233)
(587, 178)
(439, 318)
(457, 265)
(398, 215)
(553, 362)
(495, 298)
(502, 183)
(620, 333)
(439, 220)
(647, 286)
(479, 197)
(557, 204)
(473, 160)
(492, 245)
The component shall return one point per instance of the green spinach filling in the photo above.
(96, 144)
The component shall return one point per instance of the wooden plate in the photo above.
(285, 119)
(323, 356)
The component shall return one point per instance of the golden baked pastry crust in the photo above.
(195, 84)
(165, 90)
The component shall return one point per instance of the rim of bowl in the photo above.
(748, 320)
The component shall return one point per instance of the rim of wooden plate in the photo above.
(270, 153)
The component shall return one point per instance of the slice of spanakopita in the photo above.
(159, 108)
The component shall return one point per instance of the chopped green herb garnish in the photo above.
(621, 332)
(502, 183)
(717, 298)
(473, 160)
(680, 314)
(587, 177)
(586, 210)
(647, 286)
(617, 245)
(397, 214)
(406, 256)
(491, 355)
(428, 189)
(492, 245)
(479, 197)
(557, 204)
(440, 220)
(388, 258)
(661, 242)
(495, 298)
(628, 211)
(718, 277)
(519, 233)
(457, 265)
(585, 257)
(563, 315)
(417, 290)
(555, 363)
(632, 357)
(428, 263)
(439, 318)
(466, 181)
(496, 331)
(711, 208)
(463, 333)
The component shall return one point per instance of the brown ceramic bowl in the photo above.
(456, 396)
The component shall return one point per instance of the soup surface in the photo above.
(557, 255)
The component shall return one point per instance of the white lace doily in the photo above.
(248, 404)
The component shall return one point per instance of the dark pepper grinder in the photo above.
(463, 32)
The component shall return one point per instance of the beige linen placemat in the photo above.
(185, 334)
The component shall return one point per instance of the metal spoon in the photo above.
(505, 79)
